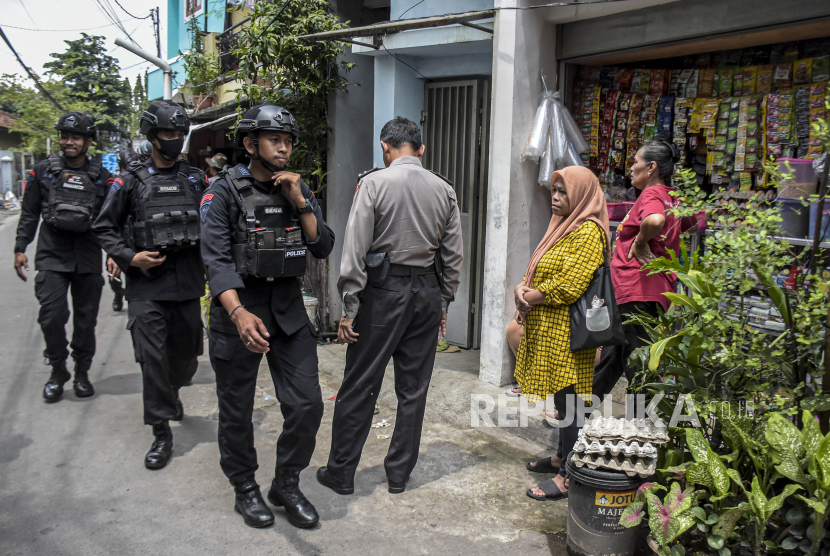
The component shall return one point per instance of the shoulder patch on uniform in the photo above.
(204, 206)
(442, 177)
(115, 184)
(243, 171)
(356, 189)
(364, 174)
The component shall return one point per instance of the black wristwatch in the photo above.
(305, 210)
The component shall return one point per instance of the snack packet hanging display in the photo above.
(764, 79)
(803, 72)
(821, 69)
(749, 81)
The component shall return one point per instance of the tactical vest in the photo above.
(269, 242)
(167, 215)
(70, 205)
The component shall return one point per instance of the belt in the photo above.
(401, 270)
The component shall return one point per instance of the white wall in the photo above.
(518, 209)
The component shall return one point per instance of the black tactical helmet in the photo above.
(164, 114)
(77, 122)
(267, 116)
(144, 150)
(125, 157)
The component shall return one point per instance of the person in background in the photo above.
(144, 151)
(647, 232)
(215, 165)
(559, 272)
(125, 158)
(65, 191)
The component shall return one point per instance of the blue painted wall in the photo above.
(436, 7)
(155, 80)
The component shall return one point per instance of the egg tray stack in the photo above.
(620, 445)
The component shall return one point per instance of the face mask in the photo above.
(171, 149)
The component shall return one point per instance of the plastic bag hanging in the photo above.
(546, 166)
(571, 129)
(537, 140)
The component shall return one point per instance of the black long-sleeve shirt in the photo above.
(220, 214)
(181, 276)
(58, 250)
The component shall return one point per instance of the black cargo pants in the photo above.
(167, 339)
(50, 289)
(292, 361)
(399, 320)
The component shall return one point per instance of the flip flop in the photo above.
(511, 393)
(551, 491)
(542, 466)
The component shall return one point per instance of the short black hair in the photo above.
(399, 131)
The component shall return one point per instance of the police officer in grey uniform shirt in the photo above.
(404, 219)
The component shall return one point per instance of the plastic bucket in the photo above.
(795, 218)
(596, 500)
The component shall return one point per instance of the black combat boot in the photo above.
(285, 491)
(53, 390)
(118, 302)
(162, 449)
(251, 506)
(179, 408)
(81, 384)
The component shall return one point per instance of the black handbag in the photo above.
(595, 317)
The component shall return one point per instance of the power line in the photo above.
(131, 15)
(404, 13)
(59, 30)
(22, 3)
(28, 71)
(404, 63)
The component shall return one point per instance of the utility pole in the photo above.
(156, 30)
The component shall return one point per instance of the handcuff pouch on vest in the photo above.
(377, 268)
(269, 239)
(72, 196)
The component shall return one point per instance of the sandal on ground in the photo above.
(512, 392)
(542, 466)
(551, 491)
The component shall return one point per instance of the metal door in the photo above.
(455, 134)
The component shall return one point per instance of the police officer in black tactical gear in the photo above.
(67, 192)
(143, 151)
(150, 226)
(259, 222)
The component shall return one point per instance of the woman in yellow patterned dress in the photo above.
(558, 274)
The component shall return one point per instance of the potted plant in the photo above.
(751, 478)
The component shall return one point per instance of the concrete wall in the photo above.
(682, 21)
(350, 115)
(518, 209)
(399, 91)
(436, 7)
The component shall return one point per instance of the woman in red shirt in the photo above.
(645, 234)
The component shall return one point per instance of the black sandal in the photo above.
(542, 466)
(551, 491)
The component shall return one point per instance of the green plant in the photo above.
(299, 74)
(201, 68)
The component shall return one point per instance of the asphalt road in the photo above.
(73, 482)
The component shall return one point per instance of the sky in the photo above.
(60, 20)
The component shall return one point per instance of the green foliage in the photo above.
(83, 78)
(36, 114)
(298, 74)
(91, 75)
(201, 68)
(703, 345)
